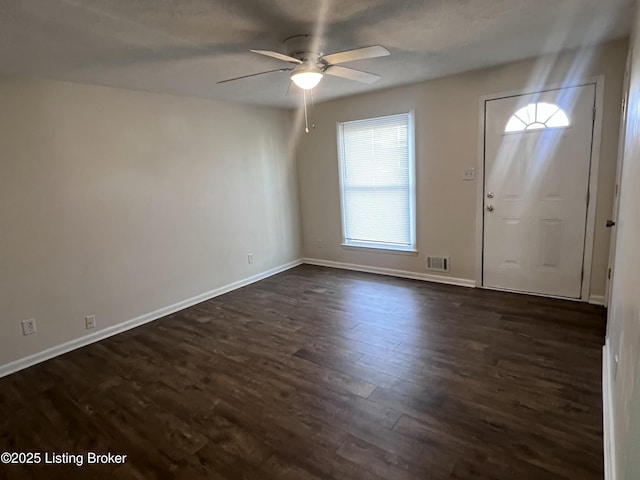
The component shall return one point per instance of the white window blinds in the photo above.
(377, 182)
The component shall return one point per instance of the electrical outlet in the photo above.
(469, 174)
(250, 258)
(29, 326)
(90, 321)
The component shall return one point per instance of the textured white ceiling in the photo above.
(185, 46)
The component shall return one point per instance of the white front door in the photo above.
(536, 183)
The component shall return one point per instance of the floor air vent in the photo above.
(438, 264)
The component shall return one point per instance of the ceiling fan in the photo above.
(311, 66)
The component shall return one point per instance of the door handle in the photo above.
(490, 195)
(490, 208)
(610, 223)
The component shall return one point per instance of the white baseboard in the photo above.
(136, 322)
(461, 282)
(596, 299)
(607, 416)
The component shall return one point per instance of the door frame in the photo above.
(596, 142)
(616, 193)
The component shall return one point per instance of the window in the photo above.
(537, 116)
(377, 182)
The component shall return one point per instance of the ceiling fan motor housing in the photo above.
(300, 47)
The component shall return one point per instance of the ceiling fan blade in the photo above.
(358, 54)
(351, 74)
(255, 74)
(279, 56)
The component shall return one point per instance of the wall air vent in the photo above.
(438, 264)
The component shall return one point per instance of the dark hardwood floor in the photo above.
(318, 373)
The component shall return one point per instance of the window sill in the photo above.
(379, 248)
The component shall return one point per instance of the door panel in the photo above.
(549, 241)
(535, 192)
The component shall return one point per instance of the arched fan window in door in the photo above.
(537, 116)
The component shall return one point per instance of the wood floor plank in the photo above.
(317, 373)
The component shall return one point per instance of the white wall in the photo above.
(447, 143)
(117, 203)
(624, 310)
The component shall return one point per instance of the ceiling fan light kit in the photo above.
(306, 77)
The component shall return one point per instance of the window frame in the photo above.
(387, 247)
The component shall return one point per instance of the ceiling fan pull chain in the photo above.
(313, 124)
(306, 121)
